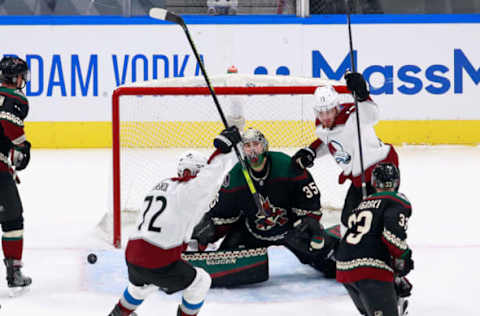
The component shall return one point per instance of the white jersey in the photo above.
(342, 141)
(170, 212)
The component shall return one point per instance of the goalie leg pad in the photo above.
(232, 268)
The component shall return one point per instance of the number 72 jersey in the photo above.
(170, 212)
(376, 233)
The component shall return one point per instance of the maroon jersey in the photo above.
(13, 110)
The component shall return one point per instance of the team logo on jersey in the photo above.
(270, 215)
(337, 151)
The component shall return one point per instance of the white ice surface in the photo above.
(64, 193)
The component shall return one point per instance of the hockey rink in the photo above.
(65, 194)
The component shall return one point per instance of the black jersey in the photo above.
(376, 233)
(13, 110)
(286, 193)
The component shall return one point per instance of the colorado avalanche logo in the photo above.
(270, 216)
(337, 151)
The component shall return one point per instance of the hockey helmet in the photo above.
(254, 135)
(385, 176)
(326, 98)
(192, 161)
(11, 67)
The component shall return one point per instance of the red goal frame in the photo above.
(123, 91)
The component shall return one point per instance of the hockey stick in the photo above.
(352, 62)
(162, 14)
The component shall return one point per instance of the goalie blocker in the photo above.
(231, 268)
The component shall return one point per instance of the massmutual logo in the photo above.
(70, 75)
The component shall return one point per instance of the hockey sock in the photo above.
(128, 302)
(12, 245)
(189, 309)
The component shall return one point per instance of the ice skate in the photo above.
(117, 311)
(402, 306)
(16, 281)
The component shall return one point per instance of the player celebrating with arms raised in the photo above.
(336, 130)
(165, 226)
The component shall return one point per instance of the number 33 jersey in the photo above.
(376, 233)
(170, 212)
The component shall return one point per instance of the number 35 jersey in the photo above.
(170, 212)
(376, 233)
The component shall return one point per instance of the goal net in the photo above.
(154, 122)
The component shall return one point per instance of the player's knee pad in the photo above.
(13, 233)
(16, 224)
(134, 295)
(196, 292)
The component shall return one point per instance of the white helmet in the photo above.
(191, 160)
(326, 98)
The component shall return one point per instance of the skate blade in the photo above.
(18, 291)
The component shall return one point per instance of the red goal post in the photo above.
(152, 117)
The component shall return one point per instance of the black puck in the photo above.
(92, 258)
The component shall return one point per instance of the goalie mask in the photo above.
(255, 146)
(190, 163)
(385, 176)
(11, 67)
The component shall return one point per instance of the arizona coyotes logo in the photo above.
(271, 216)
(337, 151)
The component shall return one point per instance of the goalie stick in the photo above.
(162, 14)
(354, 69)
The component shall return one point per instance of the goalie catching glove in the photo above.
(228, 138)
(20, 155)
(304, 157)
(309, 241)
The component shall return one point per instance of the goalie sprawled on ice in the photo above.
(289, 217)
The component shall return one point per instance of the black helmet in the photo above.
(11, 67)
(385, 176)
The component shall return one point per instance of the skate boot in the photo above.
(15, 278)
(182, 313)
(402, 305)
(117, 311)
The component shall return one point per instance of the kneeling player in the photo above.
(164, 227)
(373, 252)
(288, 195)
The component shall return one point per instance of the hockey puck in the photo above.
(92, 258)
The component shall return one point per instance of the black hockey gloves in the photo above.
(21, 155)
(404, 265)
(304, 157)
(357, 84)
(228, 138)
(204, 232)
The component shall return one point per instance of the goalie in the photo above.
(290, 215)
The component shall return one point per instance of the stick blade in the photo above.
(158, 13)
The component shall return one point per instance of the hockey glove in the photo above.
(404, 265)
(304, 157)
(20, 155)
(204, 232)
(403, 287)
(357, 85)
(228, 138)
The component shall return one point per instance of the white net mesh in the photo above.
(155, 129)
